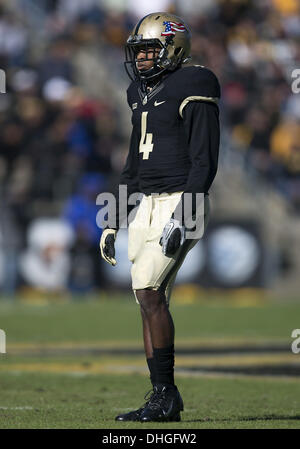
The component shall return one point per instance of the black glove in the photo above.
(107, 245)
(172, 238)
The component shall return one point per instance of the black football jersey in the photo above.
(175, 136)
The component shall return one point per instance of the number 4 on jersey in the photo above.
(146, 144)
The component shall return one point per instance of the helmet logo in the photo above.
(171, 27)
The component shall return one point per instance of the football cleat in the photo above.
(164, 405)
(135, 415)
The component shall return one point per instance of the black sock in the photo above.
(151, 367)
(164, 365)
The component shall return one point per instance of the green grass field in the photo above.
(79, 364)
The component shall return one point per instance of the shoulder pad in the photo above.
(197, 84)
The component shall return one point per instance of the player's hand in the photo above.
(172, 238)
(107, 245)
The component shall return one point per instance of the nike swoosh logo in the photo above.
(167, 412)
(156, 103)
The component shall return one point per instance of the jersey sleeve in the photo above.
(129, 177)
(201, 122)
(200, 84)
(129, 174)
(129, 93)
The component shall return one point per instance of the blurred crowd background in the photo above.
(65, 127)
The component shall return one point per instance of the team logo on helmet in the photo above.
(171, 27)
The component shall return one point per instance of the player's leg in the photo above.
(148, 345)
(157, 320)
(166, 402)
(159, 331)
(135, 414)
(153, 276)
(137, 237)
(149, 269)
(159, 336)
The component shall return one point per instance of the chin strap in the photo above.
(151, 74)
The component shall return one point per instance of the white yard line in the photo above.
(26, 407)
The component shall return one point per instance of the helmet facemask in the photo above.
(133, 48)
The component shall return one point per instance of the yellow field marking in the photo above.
(218, 375)
(131, 364)
(71, 345)
(237, 360)
(238, 342)
(98, 368)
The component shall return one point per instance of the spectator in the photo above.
(80, 211)
(45, 264)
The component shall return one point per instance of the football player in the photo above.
(173, 152)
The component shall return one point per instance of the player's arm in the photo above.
(200, 116)
(201, 120)
(129, 176)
